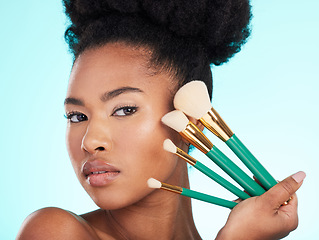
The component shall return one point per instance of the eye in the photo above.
(125, 111)
(75, 117)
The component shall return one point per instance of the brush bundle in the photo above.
(193, 100)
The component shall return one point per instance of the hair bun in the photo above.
(220, 25)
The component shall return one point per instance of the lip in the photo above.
(99, 173)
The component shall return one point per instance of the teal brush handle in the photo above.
(220, 180)
(207, 198)
(253, 188)
(251, 162)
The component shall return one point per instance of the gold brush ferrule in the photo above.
(172, 188)
(179, 152)
(214, 123)
(197, 138)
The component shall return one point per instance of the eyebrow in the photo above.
(104, 97)
(74, 101)
(114, 93)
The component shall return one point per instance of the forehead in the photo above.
(116, 65)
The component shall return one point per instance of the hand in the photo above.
(265, 217)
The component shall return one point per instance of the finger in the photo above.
(282, 191)
(238, 200)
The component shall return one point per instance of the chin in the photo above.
(117, 200)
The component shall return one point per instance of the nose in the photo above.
(96, 138)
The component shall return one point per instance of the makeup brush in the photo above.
(169, 146)
(193, 100)
(153, 183)
(188, 130)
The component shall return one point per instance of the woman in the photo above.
(130, 57)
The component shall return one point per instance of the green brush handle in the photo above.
(251, 162)
(253, 188)
(220, 180)
(207, 198)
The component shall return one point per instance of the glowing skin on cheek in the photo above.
(140, 140)
(133, 143)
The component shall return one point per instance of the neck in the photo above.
(161, 213)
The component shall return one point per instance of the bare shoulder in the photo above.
(55, 223)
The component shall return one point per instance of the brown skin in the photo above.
(265, 217)
(131, 140)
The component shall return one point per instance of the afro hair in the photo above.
(185, 36)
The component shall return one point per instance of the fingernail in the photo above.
(299, 176)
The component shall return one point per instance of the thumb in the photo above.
(282, 191)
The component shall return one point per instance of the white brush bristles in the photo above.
(169, 146)
(193, 99)
(176, 120)
(153, 183)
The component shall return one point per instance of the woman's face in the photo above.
(114, 133)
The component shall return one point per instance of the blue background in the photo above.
(268, 94)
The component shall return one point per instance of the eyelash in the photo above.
(133, 108)
(70, 115)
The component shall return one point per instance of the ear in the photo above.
(197, 123)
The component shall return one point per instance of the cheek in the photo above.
(142, 135)
(143, 144)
